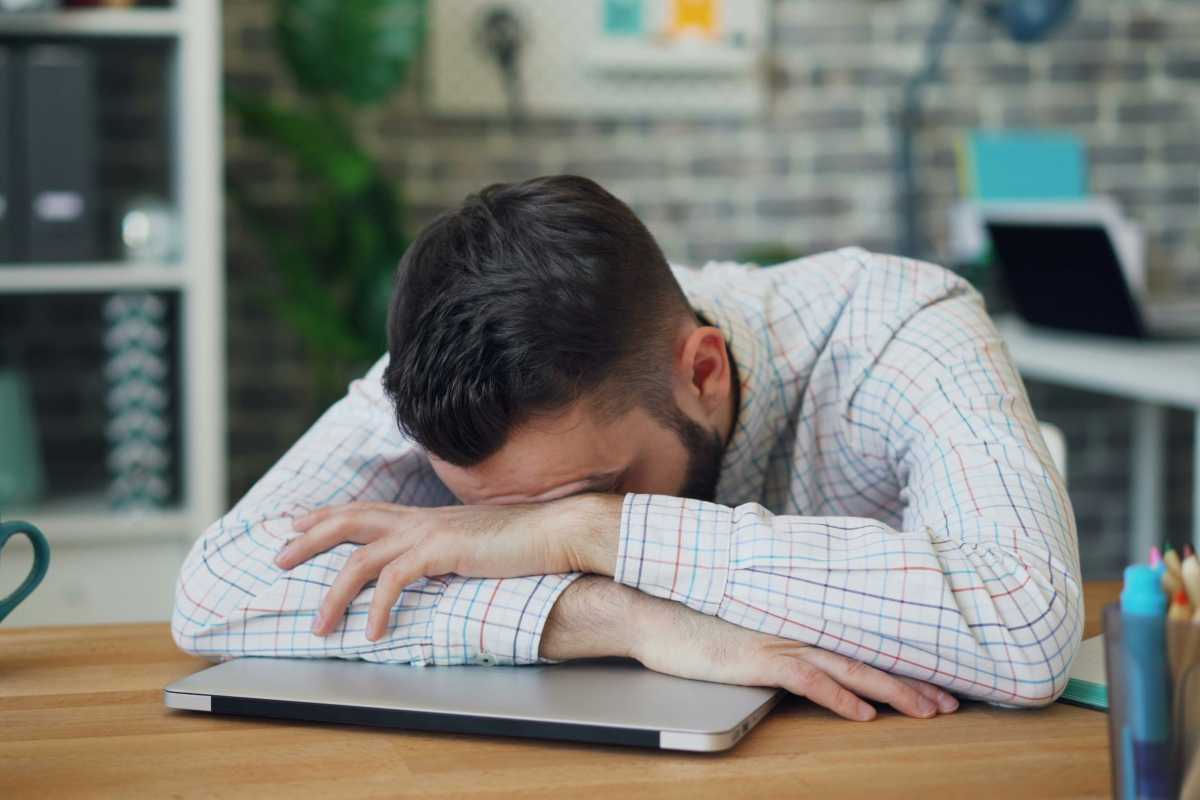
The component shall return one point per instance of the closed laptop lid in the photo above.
(606, 692)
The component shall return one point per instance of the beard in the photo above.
(705, 451)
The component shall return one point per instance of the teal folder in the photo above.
(1024, 165)
(1088, 685)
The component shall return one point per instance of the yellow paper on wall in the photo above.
(694, 17)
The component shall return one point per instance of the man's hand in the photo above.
(596, 617)
(403, 544)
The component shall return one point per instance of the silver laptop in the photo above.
(605, 701)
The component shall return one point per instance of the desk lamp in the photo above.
(1025, 21)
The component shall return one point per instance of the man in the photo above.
(823, 475)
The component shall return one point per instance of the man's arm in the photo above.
(231, 599)
(977, 589)
(597, 617)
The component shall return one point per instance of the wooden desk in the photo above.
(81, 713)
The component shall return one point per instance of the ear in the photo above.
(704, 372)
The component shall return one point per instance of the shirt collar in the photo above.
(755, 431)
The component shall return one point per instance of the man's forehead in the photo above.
(530, 482)
(568, 452)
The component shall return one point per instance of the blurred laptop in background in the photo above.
(1080, 266)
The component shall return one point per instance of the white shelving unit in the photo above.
(105, 277)
(110, 565)
(116, 22)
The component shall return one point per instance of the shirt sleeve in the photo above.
(231, 599)
(977, 587)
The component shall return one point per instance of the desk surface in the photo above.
(1158, 370)
(81, 713)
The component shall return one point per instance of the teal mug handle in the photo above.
(41, 562)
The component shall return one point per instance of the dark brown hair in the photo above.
(525, 299)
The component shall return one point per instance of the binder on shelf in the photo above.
(9, 250)
(57, 104)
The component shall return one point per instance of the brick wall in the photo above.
(813, 174)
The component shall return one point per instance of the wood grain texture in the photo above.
(81, 714)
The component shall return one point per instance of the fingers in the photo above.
(810, 681)
(946, 702)
(334, 528)
(361, 567)
(393, 579)
(318, 515)
(873, 683)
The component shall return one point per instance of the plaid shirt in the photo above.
(886, 495)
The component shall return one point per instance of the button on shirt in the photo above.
(886, 494)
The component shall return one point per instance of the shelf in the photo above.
(89, 520)
(686, 59)
(89, 277)
(134, 22)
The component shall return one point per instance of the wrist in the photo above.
(592, 532)
(594, 618)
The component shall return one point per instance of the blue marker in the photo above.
(1146, 742)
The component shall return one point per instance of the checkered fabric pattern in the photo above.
(886, 495)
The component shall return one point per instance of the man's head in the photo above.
(540, 347)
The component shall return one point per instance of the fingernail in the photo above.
(926, 707)
(949, 704)
(318, 623)
(866, 713)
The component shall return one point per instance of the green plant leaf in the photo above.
(359, 49)
(302, 302)
(335, 270)
(321, 144)
(336, 244)
(768, 254)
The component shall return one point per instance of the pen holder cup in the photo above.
(1127, 712)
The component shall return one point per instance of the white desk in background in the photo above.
(1154, 374)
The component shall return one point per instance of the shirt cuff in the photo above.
(676, 548)
(494, 621)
